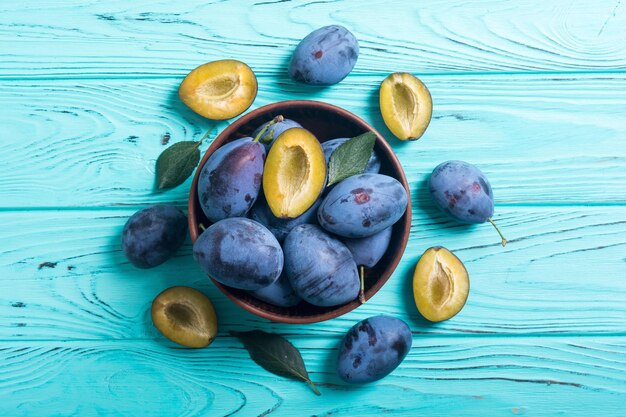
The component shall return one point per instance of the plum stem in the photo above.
(497, 230)
(259, 135)
(201, 226)
(362, 290)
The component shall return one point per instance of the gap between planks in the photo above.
(147, 76)
(465, 335)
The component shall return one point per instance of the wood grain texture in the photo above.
(472, 376)
(149, 38)
(530, 91)
(561, 273)
(540, 139)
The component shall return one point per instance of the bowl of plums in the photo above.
(299, 211)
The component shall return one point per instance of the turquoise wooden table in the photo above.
(533, 92)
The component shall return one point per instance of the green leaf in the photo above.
(176, 163)
(275, 354)
(351, 157)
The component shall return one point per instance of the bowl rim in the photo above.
(381, 142)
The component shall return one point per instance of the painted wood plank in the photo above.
(562, 272)
(147, 38)
(470, 376)
(89, 91)
(541, 139)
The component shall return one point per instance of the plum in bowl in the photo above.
(326, 122)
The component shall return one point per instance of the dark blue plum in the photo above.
(274, 131)
(373, 348)
(320, 268)
(230, 180)
(367, 251)
(373, 165)
(363, 205)
(240, 253)
(280, 293)
(462, 191)
(153, 235)
(325, 56)
(262, 213)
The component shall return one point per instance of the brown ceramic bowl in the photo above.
(326, 122)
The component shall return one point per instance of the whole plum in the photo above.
(240, 253)
(367, 251)
(373, 348)
(462, 191)
(230, 181)
(280, 293)
(325, 56)
(273, 132)
(153, 235)
(280, 228)
(320, 268)
(373, 165)
(363, 205)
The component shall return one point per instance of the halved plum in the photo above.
(185, 316)
(295, 173)
(406, 105)
(219, 90)
(440, 284)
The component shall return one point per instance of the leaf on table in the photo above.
(275, 354)
(176, 163)
(350, 158)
